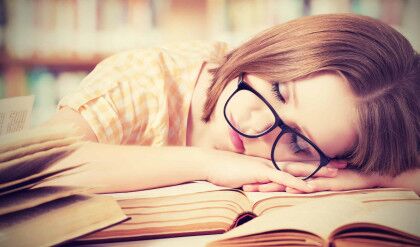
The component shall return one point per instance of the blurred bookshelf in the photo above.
(48, 46)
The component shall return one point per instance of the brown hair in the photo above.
(378, 62)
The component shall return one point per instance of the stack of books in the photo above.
(368, 217)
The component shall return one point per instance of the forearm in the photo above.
(409, 179)
(117, 168)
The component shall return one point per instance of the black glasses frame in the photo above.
(242, 85)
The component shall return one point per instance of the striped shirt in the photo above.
(143, 96)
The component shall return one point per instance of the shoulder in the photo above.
(210, 51)
(148, 60)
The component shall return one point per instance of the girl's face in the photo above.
(321, 107)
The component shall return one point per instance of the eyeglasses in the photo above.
(289, 144)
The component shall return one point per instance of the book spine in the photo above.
(242, 219)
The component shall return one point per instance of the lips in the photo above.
(236, 140)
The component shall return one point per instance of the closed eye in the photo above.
(275, 88)
(298, 145)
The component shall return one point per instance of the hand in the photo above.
(298, 169)
(346, 179)
(235, 170)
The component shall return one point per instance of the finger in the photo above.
(323, 184)
(339, 164)
(271, 187)
(250, 187)
(289, 181)
(349, 181)
(300, 169)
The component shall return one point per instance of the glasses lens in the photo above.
(256, 118)
(292, 147)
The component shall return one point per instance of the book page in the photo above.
(182, 210)
(36, 135)
(201, 212)
(263, 201)
(36, 147)
(270, 201)
(15, 113)
(401, 217)
(60, 220)
(260, 197)
(34, 197)
(33, 163)
(35, 179)
(194, 208)
(181, 189)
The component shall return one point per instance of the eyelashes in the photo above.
(275, 88)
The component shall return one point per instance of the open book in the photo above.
(201, 208)
(332, 222)
(36, 215)
(15, 113)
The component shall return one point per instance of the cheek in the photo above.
(261, 146)
(255, 147)
(221, 101)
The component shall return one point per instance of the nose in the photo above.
(258, 120)
(262, 145)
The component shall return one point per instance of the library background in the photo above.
(48, 46)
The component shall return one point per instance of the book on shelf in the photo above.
(32, 214)
(201, 208)
(76, 29)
